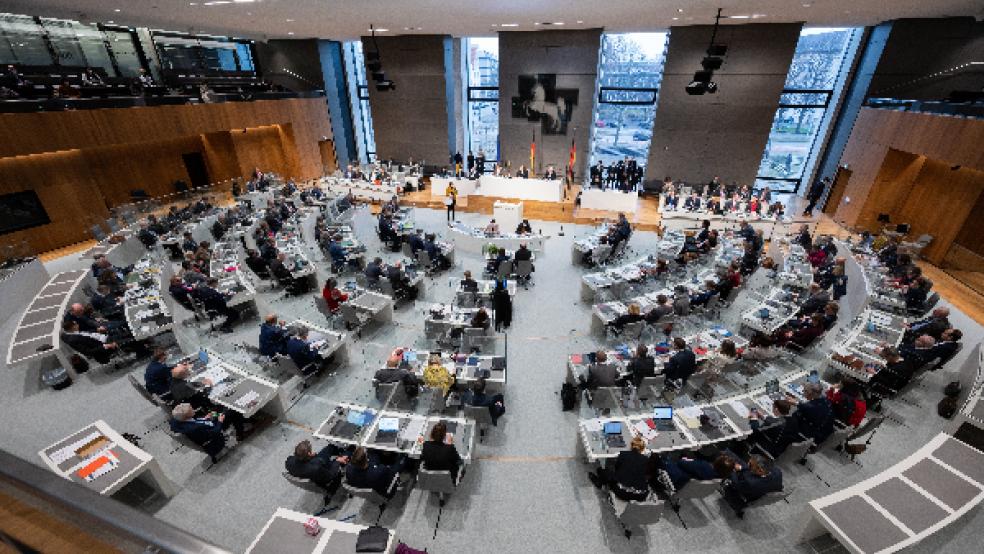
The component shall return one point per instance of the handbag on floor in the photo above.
(372, 539)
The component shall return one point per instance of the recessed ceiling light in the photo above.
(679, 10)
(117, 10)
(559, 23)
(739, 17)
(290, 21)
(379, 30)
(111, 22)
(243, 1)
(580, 21)
(192, 3)
(806, 5)
(509, 25)
(290, 32)
(676, 19)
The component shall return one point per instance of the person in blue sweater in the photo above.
(302, 353)
(273, 336)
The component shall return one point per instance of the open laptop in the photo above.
(389, 427)
(613, 434)
(202, 361)
(663, 418)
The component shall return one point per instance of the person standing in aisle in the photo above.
(816, 192)
(450, 199)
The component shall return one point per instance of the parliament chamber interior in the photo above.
(303, 277)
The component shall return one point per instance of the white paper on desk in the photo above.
(643, 429)
(247, 398)
(739, 407)
(692, 412)
(413, 430)
(593, 425)
(215, 373)
(765, 401)
(67, 452)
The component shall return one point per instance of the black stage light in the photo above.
(703, 76)
(696, 88)
(710, 63)
(383, 86)
(378, 76)
(712, 87)
(374, 66)
(717, 49)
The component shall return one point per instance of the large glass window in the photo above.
(22, 41)
(189, 54)
(813, 86)
(482, 67)
(355, 70)
(629, 73)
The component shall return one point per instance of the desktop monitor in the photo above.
(203, 356)
(355, 417)
(613, 428)
(663, 412)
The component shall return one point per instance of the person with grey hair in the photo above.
(814, 416)
(305, 357)
(206, 432)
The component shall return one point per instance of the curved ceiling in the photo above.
(348, 19)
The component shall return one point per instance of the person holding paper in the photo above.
(439, 453)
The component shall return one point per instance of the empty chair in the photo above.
(838, 437)
(631, 513)
(322, 305)
(651, 387)
(765, 500)
(370, 495)
(482, 417)
(385, 390)
(629, 332)
(424, 260)
(694, 489)
(386, 287)
(794, 453)
(148, 396)
(361, 280)
(439, 482)
(505, 270)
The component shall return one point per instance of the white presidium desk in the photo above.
(502, 187)
(610, 200)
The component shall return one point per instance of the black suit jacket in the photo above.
(88, 347)
(681, 365)
(317, 469)
(439, 456)
(630, 473)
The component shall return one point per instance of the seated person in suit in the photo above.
(189, 244)
(632, 316)
(190, 274)
(916, 293)
(815, 302)
(416, 241)
(401, 282)
(305, 357)
(814, 416)
(803, 336)
(467, 283)
(523, 253)
(477, 397)
(393, 373)
(386, 232)
(273, 336)
(196, 394)
(751, 482)
(337, 252)
(436, 376)
(146, 236)
(627, 478)
(687, 468)
(920, 351)
(660, 310)
(776, 431)
(157, 376)
(439, 453)
(179, 291)
(830, 312)
(374, 270)
(88, 322)
(641, 365)
(524, 228)
(681, 364)
(324, 468)
(206, 431)
(894, 375)
(93, 345)
(213, 300)
(946, 347)
(600, 373)
(364, 472)
(933, 325)
(257, 265)
(492, 229)
(692, 203)
(701, 298)
(108, 303)
(480, 320)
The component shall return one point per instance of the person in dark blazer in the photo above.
(627, 478)
(814, 417)
(365, 472)
(947, 347)
(687, 468)
(477, 397)
(157, 376)
(216, 301)
(642, 365)
(206, 432)
(501, 305)
(601, 373)
(273, 336)
(751, 482)
(301, 352)
(324, 468)
(934, 325)
(91, 345)
(681, 364)
(439, 453)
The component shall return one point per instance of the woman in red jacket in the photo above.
(333, 297)
(848, 403)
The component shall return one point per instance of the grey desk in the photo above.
(68, 457)
(284, 533)
(231, 391)
(379, 306)
(904, 504)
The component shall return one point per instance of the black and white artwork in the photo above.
(540, 100)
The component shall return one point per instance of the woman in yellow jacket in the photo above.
(436, 375)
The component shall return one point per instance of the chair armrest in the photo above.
(763, 451)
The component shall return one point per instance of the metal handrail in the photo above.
(91, 510)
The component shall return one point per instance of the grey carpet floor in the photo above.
(525, 491)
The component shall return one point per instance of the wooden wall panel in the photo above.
(82, 162)
(971, 236)
(66, 190)
(260, 147)
(939, 202)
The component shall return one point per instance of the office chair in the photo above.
(371, 496)
(385, 391)
(632, 513)
(651, 387)
(482, 417)
(439, 482)
(629, 332)
(424, 261)
(505, 270)
(694, 490)
(524, 272)
(606, 398)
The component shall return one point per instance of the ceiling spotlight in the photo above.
(383, 86)
(290, 21)
(509, 25)
(679, 10)
(696, 88)
(712, 87)
(580, 21)
(559, 23)
(739, 17)
(710, 63)
(676, 19)
(117, 10)
(290, 32)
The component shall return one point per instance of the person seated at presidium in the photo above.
(492, 229)
(524, 228)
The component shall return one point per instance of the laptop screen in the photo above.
(389, 424)
(203, 356)
(663, 412)
(613, 428)
(355, 417)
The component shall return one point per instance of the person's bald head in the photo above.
(180, 371)
(925, 341)
(77, 309)
(392, 362)
(271, 319)
(941, 313)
